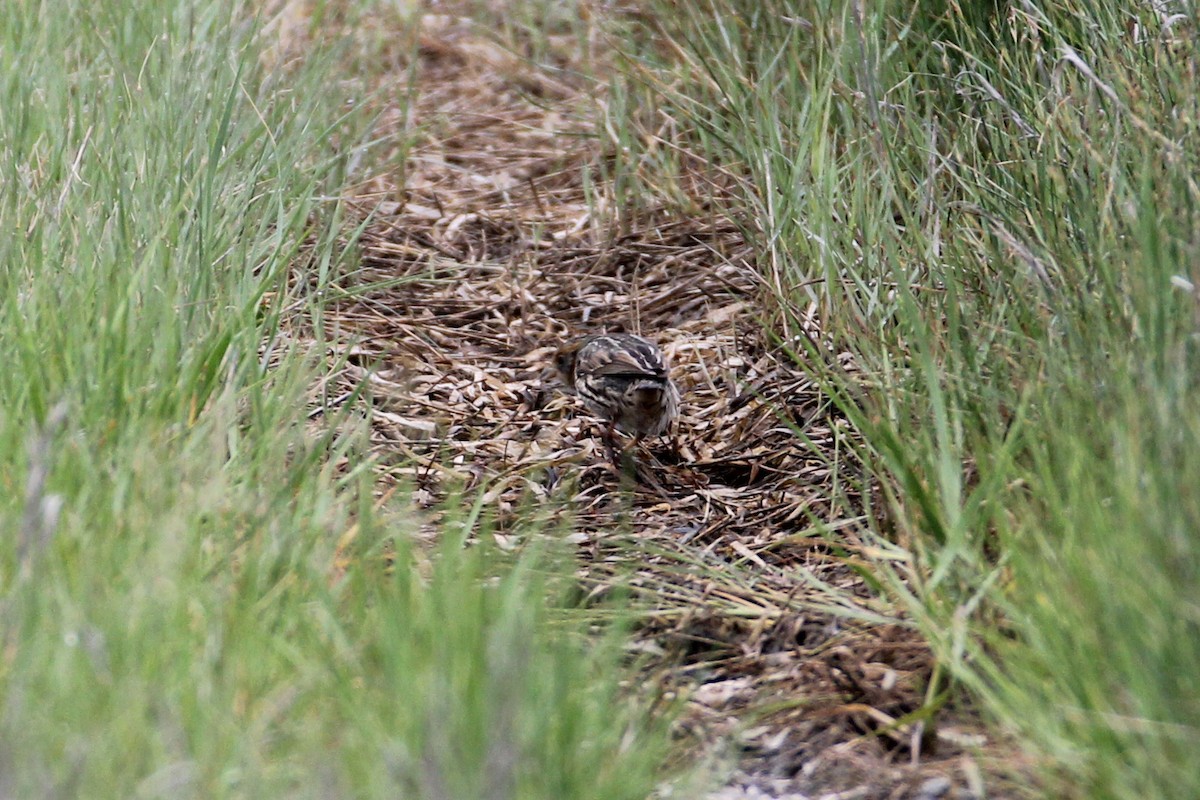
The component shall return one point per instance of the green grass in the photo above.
(995, 208)
(172, 624)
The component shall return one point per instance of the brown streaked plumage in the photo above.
(623, 379)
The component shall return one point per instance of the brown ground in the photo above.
(486, 253)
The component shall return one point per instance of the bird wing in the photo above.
(626, 357)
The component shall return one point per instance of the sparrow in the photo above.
(623, 379)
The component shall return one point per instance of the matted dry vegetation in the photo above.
(499, 242)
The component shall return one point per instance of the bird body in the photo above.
(623, 379)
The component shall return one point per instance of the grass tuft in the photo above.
(993, 209)
(173, 622)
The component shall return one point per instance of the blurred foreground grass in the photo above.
(171, 624)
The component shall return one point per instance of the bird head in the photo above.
(565, 359)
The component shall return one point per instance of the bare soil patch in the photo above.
(500, 242)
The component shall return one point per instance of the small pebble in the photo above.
(933, 788)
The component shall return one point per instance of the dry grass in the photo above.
(742, 547)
